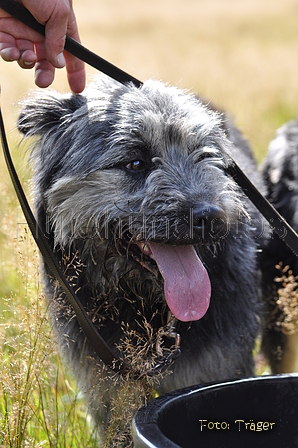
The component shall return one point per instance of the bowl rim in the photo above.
(145, 429)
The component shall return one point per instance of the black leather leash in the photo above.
(276, 221)
(105, 353)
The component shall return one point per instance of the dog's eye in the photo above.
(135, 165)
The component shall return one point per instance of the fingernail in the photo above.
(61, 60)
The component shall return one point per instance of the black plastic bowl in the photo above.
(251, 413)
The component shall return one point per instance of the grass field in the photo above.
(242, 55)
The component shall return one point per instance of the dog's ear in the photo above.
(42, 112)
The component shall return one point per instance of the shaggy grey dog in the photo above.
(280, 172)
(132, 189)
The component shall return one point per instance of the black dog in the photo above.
(132, 188)
(280, 172)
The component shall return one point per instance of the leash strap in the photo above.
(278, 224)
(97, 342)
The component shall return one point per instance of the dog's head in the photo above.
(140, 170)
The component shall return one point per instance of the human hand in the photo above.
(30, 49)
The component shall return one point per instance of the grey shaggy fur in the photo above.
(280, 172)
(118, 166)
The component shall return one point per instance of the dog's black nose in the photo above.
(207, 221)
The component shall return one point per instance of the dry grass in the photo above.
(242, 55)
(287, 300)
(38, 402)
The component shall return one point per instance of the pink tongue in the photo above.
(186, 281)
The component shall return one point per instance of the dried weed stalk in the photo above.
(287, 300)
(139, 350)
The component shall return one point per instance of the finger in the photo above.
(17, 30)
(9, 54)
(55, 32)
(27, 56)
(44, 73)
(17, 50)
(77, 81)
(27, 59)
(8, 49)
(44, 70)
(75, 67)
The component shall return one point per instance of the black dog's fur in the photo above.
(118, 154)
(280, 173)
